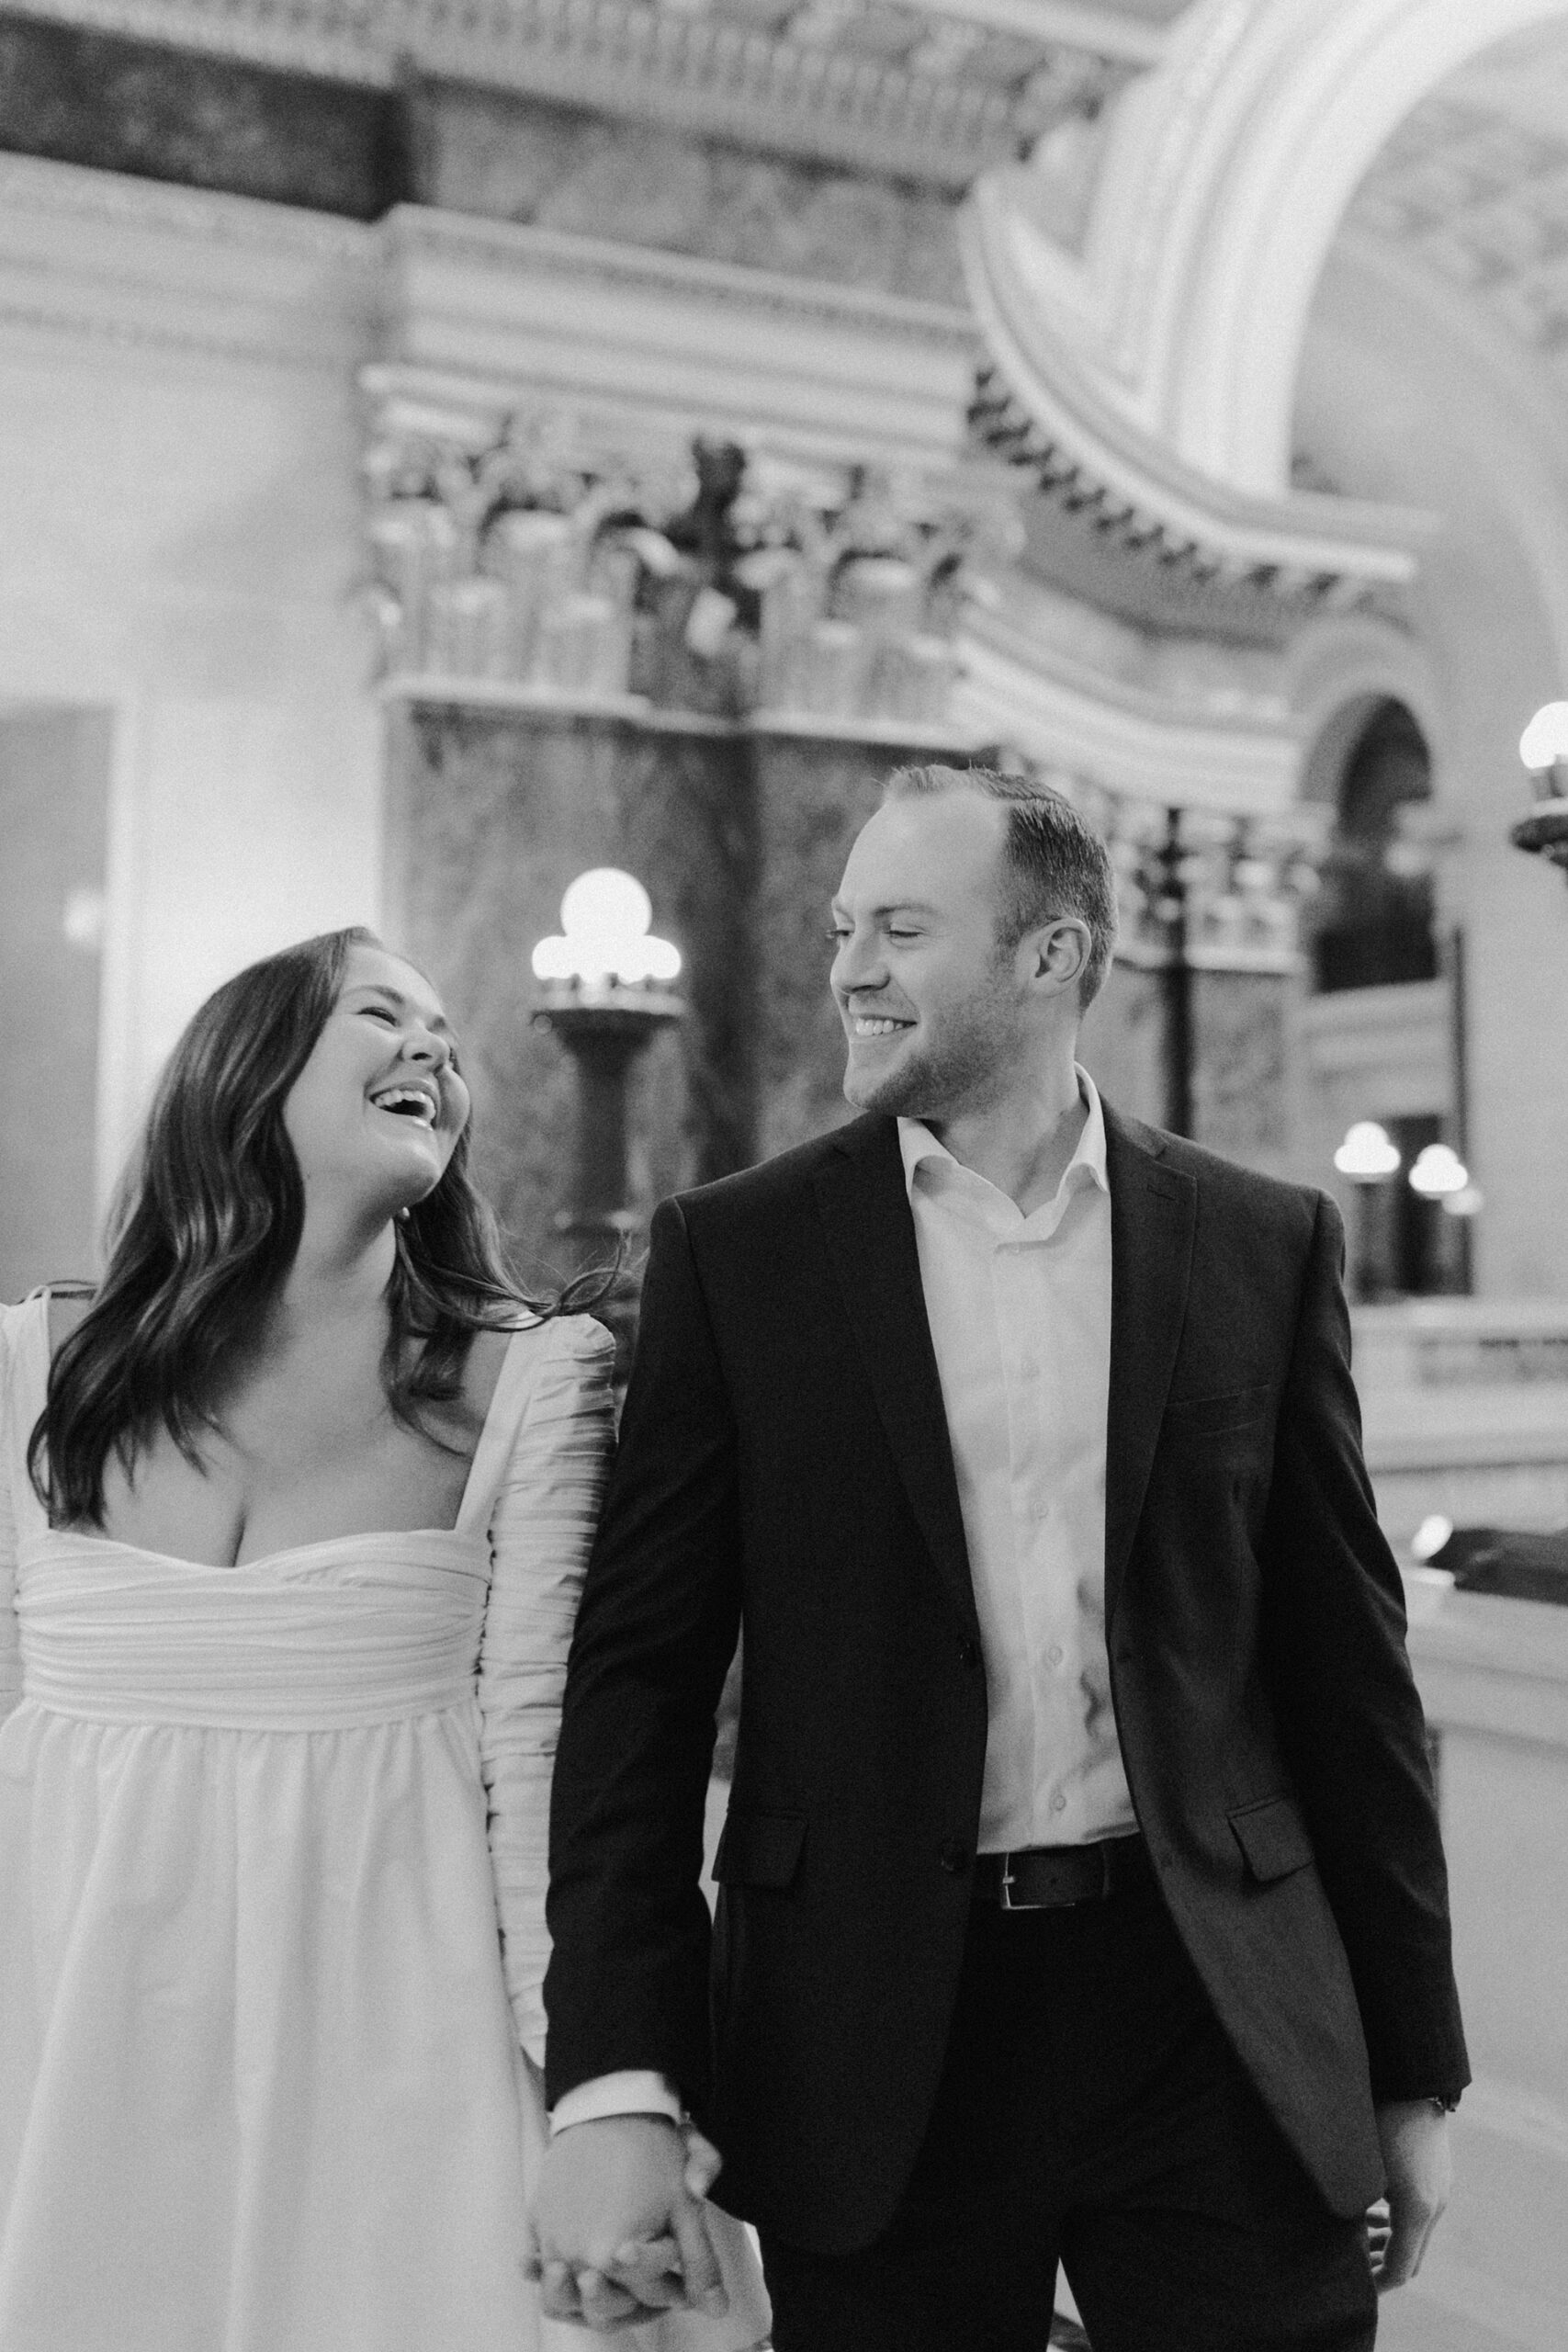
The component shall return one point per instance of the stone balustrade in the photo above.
(1465, 1405)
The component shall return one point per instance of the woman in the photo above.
(294, 1523)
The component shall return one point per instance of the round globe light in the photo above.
(1430, 1537)
(605, 903)
(1545, 739)
(604, 936)
(1438, 1173)
(1368, 1153)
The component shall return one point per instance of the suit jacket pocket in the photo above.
(758, 1848)
(1235, 1409)
(1273, 1838)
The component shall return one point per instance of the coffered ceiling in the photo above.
(1474, 187)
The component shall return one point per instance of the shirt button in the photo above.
(1058, 1803)
(1055, 1653)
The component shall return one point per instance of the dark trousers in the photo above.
(1090, 2112)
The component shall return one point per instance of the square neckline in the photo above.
(490, 1440)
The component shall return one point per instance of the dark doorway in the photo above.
(1373, 922)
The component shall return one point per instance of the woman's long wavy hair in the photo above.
(205, 1229)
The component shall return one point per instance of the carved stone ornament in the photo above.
(540, 550)
(932, 89)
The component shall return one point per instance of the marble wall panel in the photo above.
(515, 158)
(1241, 1097)
(81, 96)
(1123, 1040)
(489, 819)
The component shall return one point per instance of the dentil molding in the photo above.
(934, 89)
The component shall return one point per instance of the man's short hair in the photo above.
(1052, 864)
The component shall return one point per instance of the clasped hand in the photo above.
(1415, 2139)
(620, 2233)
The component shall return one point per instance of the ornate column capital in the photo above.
(524, 549)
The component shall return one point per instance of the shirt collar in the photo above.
(917, 1144)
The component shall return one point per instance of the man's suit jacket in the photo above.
(784, 1459)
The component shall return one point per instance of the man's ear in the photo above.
(1060, 952)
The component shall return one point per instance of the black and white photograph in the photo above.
(784, 1277)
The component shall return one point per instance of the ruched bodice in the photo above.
(359, 1629)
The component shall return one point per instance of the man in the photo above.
(1082, 1893)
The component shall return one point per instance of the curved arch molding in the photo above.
(1147, 378)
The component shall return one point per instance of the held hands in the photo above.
(1420, 2167)
(619, 2230)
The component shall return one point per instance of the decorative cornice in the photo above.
(113, 199)
(142, 266)
(697, 345)
(932, 89)
(1199, 539)
(1141, 746)
(463, 243)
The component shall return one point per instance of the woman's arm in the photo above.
(541, 1528)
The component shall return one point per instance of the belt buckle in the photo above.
(1066, 1902)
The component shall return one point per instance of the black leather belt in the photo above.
(1052, 1878)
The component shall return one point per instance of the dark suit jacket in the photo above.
(784, 1459)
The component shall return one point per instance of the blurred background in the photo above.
(447, 451)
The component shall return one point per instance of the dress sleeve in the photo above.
(540, 1529)
(10, 1636)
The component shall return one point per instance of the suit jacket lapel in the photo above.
(1153, 1211)
(871, 1238)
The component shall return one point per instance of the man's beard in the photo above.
(960, 1068)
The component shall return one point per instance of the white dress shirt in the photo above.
(1020, 1314)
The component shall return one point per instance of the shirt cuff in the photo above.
(632, 2092)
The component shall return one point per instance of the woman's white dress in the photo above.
(272, 1869)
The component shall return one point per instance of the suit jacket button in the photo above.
(953, 1855)
(968, 1653)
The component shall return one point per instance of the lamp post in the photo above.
(605, 991)
(1441, 1180)
(1170, 908)
(1370, 1157)
(1543, 747)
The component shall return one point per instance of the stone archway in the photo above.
(1165, 350)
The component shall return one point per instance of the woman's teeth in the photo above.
(408, 1102)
